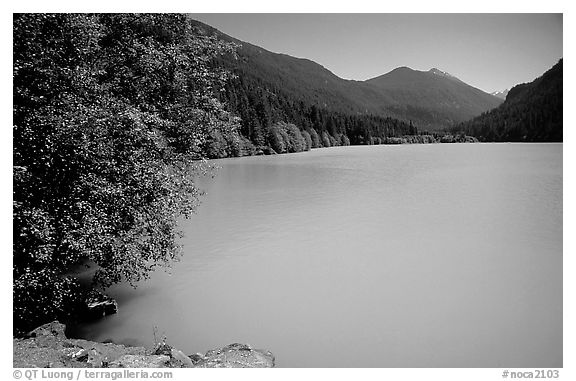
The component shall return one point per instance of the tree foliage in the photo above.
(287, 138)
(110, 111)
(260, 104)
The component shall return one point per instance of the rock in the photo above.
(81, 355)
(236, 356)
(139, 361)
(177, 358)
(92, 357)
(48, 335)
(196, 358)
(47, 346)
(97, 359)
(98, 305)
(54, 329)
(182, 358)
(49, 331)
(237, 347)
(162, 349)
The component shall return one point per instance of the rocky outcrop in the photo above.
(98, 305)
(235, 356)
(48, 347)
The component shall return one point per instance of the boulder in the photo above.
(162, 349)
(47, 346)
(235, 356)
(196, 358)
(177, 358)
(92, 357)
(54, 329)
(180, 357)
(98, 305)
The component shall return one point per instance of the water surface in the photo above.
(445, 255)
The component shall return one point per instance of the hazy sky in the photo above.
(489, 51)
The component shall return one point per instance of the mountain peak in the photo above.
(440, 72)
(500, 94)
(401, 68)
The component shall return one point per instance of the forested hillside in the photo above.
(259, 106)
(532, 112)
(447, 99)
(270, 87)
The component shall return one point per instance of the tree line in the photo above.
(260, 105)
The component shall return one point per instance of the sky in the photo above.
(492, 52)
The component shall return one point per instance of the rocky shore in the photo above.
(48, 347)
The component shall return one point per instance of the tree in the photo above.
(314, 138)
(276, 138)
(326, 141)
(344, 141)
(307, 140)
(109, 113)
(296, 142)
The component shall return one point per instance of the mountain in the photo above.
(500, 94)
(532, 112)
(437, 91)
(431, 100)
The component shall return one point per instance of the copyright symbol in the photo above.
(17, 374)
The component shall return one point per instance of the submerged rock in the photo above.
(98, 305)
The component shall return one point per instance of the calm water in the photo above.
(387, 256)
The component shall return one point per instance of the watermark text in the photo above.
(90, 374)
(536, 373)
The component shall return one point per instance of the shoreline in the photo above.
(48, 347)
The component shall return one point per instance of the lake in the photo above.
(441, 255)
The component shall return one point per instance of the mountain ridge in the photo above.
(437, 90)
(532, 112)
(451, 102)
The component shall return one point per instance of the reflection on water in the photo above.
(384, 256)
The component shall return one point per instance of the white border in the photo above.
(296, 6)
